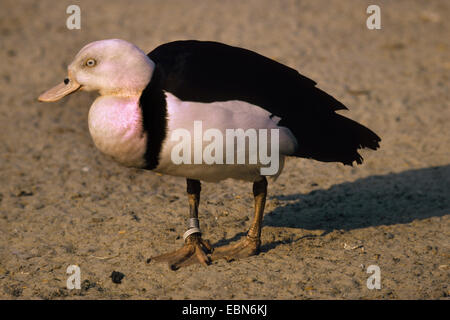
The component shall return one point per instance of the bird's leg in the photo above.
(195, 249)
(249, 245)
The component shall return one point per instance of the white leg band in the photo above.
(190, 231)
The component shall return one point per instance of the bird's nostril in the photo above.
(66, 80)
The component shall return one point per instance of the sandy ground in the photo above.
(64, 203)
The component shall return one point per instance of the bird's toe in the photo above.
(242, 249)
(195, 250)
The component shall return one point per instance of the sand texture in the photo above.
(64, 203)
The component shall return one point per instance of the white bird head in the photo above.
(112, 67)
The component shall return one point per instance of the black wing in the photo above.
(206, 71)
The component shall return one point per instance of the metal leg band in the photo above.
(193, 223)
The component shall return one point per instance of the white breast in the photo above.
(115, 124)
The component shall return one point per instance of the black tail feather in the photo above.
(334, 138)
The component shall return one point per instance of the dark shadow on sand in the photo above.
(376, 200)
(373, 201)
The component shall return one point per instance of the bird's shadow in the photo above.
(376, 200)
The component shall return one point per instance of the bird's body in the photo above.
(226, 115)
(189, 85)
(206, 71)
(116, 127)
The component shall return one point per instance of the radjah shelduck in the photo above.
(145, 99)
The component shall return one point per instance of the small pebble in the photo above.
(117, 276)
